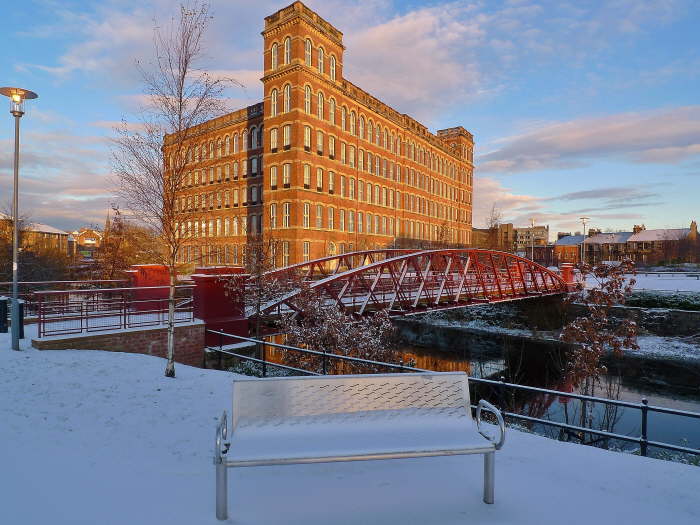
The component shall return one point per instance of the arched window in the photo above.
(343, 118)
(227, 145)
(332, 68)
(245, 140)
(254, 138)
(321, 58)
(288, 50)
(319, 105)
(273, 103)
(331, 111)
(353, 126)
(370, 131)
(287, 98)
(307, 52)
(307, 99)
(362, 127)
(235, 143)
(274, 53)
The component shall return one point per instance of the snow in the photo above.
(667, 348)
(670, 282)
(98, 437)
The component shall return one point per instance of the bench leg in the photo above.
(489, 476)
(221, 491)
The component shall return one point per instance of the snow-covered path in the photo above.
(90, 437)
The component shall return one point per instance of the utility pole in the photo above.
(532, 239)
(583, 249)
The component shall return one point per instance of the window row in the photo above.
(220, 199)
(228, 144)
(319, 61)
(221, 227)
(216, 174)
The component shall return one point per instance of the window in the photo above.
(286, 210)
(360, 190)
(341, 220)
(319, 105)
(273, 139)
(343, 156)
(254, 166)
(288, 50)
(331, 249)
(235, 143)
(332, 68)
(244, 140)
(319, 179)
(307, 213)
(362, 127)
(287, 136)
(286, 174)
(307, 52)
(331, 182)
(307, 138)
(227, 172)
(352, 156)
(343, 118)
(306, 250)
(342, 186)
(359, 222)
(319, 142)
(253, 194)
(319, 216)
(321, 58)
(274, 53)
(273, 177)
(331, 219)
(285, 253)
(370, 131)
(352, 188)
(353, 126)
(307, 99)
(287, 102)
(227, 145)
(273, 103)
(331, 111)
(351, 221)
(307, 176)
(361, 160)
(235, 171)
(331, 147)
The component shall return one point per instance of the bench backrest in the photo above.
(272, 399)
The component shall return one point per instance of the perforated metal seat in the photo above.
(349, 418)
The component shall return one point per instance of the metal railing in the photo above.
(64, 312)
(501, 388)
(28, 289)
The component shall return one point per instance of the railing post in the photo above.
(325, 371)
(502, 393)
(21, 319)
(3, 315)
(645, 438)
(262, 348)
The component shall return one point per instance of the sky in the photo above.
(577, 108)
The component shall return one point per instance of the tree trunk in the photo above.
(170, 367)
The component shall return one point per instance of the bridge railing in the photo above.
(64, 312)
(28, 289)
(499, 391)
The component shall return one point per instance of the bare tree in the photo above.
(493, 223)
(150, 174)
(595, 333)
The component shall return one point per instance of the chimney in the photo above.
(638, 227)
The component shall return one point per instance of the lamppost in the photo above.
(532, 238)
(17, 97)
(583, 248)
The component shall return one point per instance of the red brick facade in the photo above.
(320, 164)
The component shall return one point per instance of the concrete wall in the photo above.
(189, 342)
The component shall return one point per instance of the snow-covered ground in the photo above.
(670, 282)
(91, 437)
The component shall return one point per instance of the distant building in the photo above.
(527, 237)
(36, 235)
(87, 240)
(607, 247)
(499, 238)
(568, 249)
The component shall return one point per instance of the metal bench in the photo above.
(280, 421)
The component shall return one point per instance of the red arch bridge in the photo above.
(408, 282)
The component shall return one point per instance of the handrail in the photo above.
(129, 289)
(644, 407)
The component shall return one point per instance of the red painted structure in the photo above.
(214, 305)
(408, 281)
(149, 276)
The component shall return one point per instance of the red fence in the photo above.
(62, 312)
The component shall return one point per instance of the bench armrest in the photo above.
(501, 424)
(220, 446)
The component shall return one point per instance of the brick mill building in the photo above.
(320, 164)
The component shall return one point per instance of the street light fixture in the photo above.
(583, 250)
(532, 238)
(17, 97)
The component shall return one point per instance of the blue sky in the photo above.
(578, 108)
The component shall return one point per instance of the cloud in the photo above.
(666, 136)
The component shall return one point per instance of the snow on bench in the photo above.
(319, 419)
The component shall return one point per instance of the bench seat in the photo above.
(386, 435)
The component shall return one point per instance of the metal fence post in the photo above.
(3, 315)
(21, 319)
(325, 371)
(262, 349)
(645, 438)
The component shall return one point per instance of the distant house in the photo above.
(607, 247)
(37, 235)
(87, 241)
(568, 249)
(664, 245)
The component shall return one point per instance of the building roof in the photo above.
(609, 238)
(35, 226)
(570, 240)
(660, 235)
